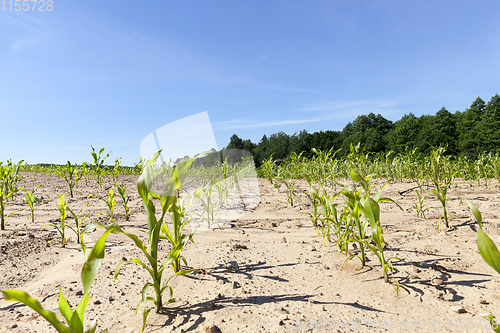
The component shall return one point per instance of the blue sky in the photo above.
(108, 73)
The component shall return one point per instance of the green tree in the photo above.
(467, 128)
(488, 128)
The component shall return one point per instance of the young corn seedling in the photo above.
(208, 213)
(441, 176)
(314, 198)
(74, 319)
(490, 254)
(116, 169)
(371, 210)
(78, 227)
(62, 206)
(157, 229)
(8, 180)
(290, 189)
(71, 174)
(110, 202)
(85, 171)
(357, 205)
(125, 199)
(31, 200)
(99, 165)
(268, 169)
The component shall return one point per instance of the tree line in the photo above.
(471, 132)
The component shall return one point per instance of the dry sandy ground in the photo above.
(265, 271)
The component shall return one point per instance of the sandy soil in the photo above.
(264, 271)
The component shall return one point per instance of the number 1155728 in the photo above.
(27, 5)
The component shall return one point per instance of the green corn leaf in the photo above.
(488, 250)
(64, 307)
(82, 306)
(92, 327)
(494, 324)
(23, 297)
(93, 262)
(76, 324)
(357, 178)
(476, 213)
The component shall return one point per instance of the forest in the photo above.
(469, 133)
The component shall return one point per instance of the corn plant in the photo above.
(334, 228)
(71, 174)
(110, 202)
(157, 229)
(489, 252)
(78, 223)
(8, 180)
(314, 198)
(61, 229)
(268, 169)
(208, 203)
(291, 186)
(74, 319)
(353, 204)
(223, 195)
(85, 172)
(125, 199)
(138, 167)
(371, 210)
(441, 175)
(31, 200)
(116, 169)
(99, 165)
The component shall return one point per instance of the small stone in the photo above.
(221, 281)
(437, 282)
(79, 293)
(458, 309)
(11, 326)
(111, 298)
(451, 290)
(312, 248)
(232, 265)
(283, 240)
(448, 297)
(210, 328)
(211, 306)
(281, 323)
(97, 302)
(415, 269)
(236, 285)
(483, 301)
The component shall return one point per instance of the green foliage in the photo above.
(61, 229)
(157, 229)
(125, 199)
(71, 174)
(109, 201)
(489, 252)
(116, 169)
(8, 181)
(99, 164)
(74, 319)
(30, 200)
(441, 175)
